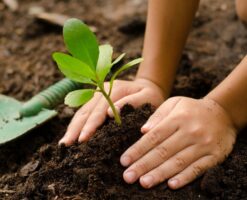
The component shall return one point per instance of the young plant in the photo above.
(88, 63)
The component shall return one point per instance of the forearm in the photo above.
(168, 25)
(231, 94)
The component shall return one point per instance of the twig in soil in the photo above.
(11, 4)
(7, 191)
(52, 18)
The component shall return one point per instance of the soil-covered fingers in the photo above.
(192, 172)
(78, 121)
(148, 142)
(169, 168)
(156, 156)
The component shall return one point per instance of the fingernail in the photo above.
(147, 181)
(125, 160)
(82, 137)
(130, 176)
(173, 183)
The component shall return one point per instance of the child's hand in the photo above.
(183, 138)
(92, 115)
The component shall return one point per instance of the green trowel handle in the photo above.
(49, 98)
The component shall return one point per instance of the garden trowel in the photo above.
(17, 118)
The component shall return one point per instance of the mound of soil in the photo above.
(92, 170)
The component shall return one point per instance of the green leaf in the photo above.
(118, 59)
(73, 68)
(81, 42)
(78, 97)
(126, 66)
(104, 63)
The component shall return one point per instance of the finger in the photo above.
(160, 114)
(97, 116)
(95, 119)
(172, 166)
(134, 99)
(192, 172)
(148, 141)
(156, 157)
(78, 121)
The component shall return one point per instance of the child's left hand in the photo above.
(182, 139)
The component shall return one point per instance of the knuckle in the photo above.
(184, 113)
(208, 140)
(82, 113)
(180, 116)
(162, 151)
(159, 177)
(141, 167)
(153, 138)
(196, 131)
(174, 118)
(197, 128)
(157, 114)
(79, 117)
(137, 151)
(197, 170)
(184, 178)
(180, 162)
(98, 112)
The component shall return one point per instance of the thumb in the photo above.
(134, 99)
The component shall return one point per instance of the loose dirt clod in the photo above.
(29, 167)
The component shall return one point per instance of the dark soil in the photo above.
(34, 167)
(92, 170)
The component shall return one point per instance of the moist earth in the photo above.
(34, 167)
(92, 170)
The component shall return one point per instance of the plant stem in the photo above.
(115, 112)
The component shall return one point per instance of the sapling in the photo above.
(88, 63)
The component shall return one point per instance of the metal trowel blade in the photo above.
(12, 126)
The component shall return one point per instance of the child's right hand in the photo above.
(90, 116)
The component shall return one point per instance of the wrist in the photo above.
(217, 104)
(151, 83)
(158, 70)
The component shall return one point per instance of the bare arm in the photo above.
(231, 94)
(168, 25)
